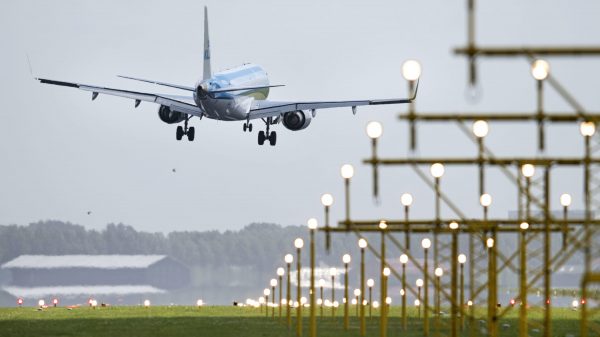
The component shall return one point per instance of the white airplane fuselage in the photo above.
(232, 106)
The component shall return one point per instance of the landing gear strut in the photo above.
(190, 132)
(264, 135)
(248, 125)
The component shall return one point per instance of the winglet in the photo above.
(416, 90)
(30, 69)
(206, 71)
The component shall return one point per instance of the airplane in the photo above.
(236, 94)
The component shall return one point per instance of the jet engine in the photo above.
(296, 120)
(170, 116)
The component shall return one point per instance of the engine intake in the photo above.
(170, 116)
(296, 120)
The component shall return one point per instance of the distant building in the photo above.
(94, 275)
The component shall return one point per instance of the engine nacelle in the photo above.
(169, 116)
(296, 120)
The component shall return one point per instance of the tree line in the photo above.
(258, 245)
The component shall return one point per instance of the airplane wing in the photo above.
(177, 86)
(264, 108)
(175, 103)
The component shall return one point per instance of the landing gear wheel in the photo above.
(250, 127)
(273, 138)
(245, 127)
(179, 133)
(261, 138)
(190, 134)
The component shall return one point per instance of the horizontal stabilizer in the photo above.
(177, 86)
(244, 88)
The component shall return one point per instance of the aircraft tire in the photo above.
(179, 133)
(250, 127)
(273, 138)
(261, 138)
(191, 133)
(245, 127)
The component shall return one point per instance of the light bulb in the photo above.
(411, 70)
(289, 258)
(528, 170)
(540, 69)
(587, 129)
(485, 200)
(374, 129)
(406, 199)
(347, 171)
(565, 200)
(382, 225)
(403, 258)
(437, 170)
(480, 128)
(346, 258)
(327, 199)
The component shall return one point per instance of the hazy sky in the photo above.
(63, 155)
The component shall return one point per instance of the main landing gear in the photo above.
(264, 135)
(190, 132)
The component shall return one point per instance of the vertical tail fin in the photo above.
(207, 72)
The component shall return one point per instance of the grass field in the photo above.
(225, 321)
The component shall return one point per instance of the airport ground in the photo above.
(231, 321)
